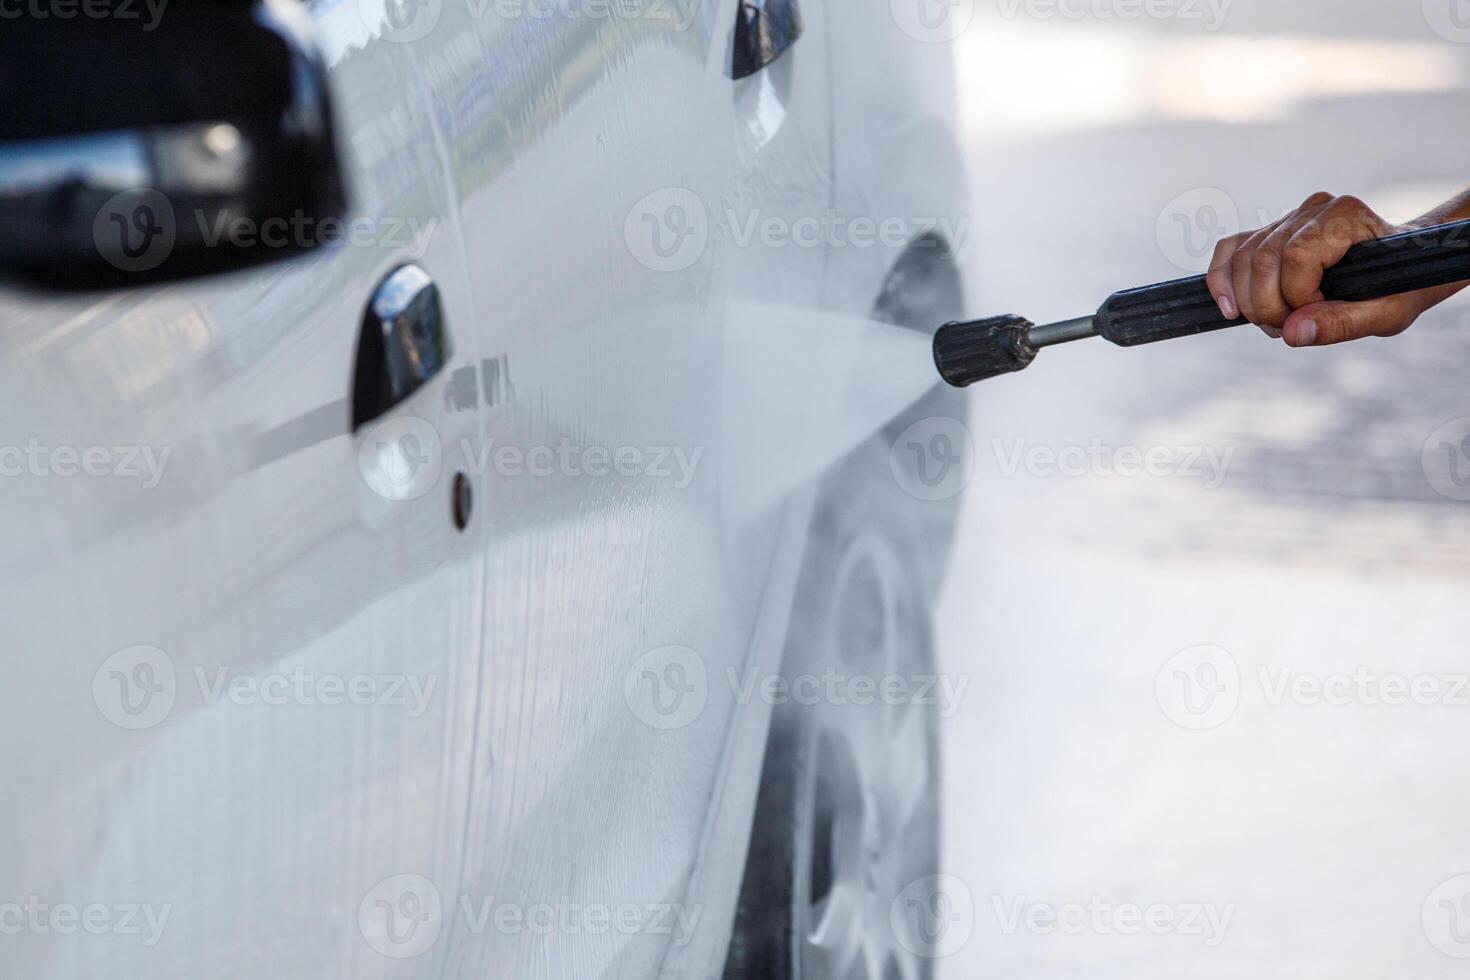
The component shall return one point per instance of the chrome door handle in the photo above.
(403, 343)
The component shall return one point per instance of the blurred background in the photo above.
(1195, 582)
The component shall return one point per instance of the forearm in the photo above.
(1456, 208)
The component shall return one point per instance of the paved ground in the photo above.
(1144, 734)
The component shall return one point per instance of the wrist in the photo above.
(1426, 299)
(1452, 211)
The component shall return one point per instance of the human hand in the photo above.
(1273, 277)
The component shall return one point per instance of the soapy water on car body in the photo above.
(811, 387)
(776, 394)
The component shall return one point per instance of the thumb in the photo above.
(1320, 324)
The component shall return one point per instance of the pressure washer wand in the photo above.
(969, 352)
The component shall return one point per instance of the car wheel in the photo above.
(867, 822)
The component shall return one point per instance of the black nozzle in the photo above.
(970, 352)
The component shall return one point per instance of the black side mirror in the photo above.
(131, 154)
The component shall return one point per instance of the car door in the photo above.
(242, 638)
(607, 168)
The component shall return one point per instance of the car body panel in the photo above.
(555, 199)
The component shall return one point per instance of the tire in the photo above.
(848, 809)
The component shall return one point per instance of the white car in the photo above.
(453, 598)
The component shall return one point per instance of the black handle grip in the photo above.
(1401, 263)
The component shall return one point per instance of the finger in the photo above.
(1242, 271)
(1219, 279)
(1321, 243)
(1303, 261)
(1297, 243)
(1345, 223)
(1268, 304)
(1322, 324)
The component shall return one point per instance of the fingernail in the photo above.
(1227, 308)
(1305, 334)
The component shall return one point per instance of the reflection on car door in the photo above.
(242, 683)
